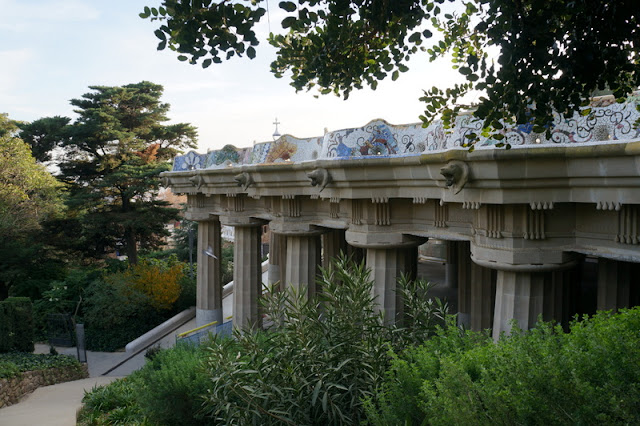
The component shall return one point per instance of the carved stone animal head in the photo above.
(456, 174)
(319, 177)
(244, 180)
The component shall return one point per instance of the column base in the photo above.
(206, 316)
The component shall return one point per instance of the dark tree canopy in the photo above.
(114, 153)
(43, 135)
(551, 54)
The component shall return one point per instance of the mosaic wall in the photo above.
(608, 122)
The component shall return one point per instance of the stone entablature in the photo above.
(554, 198)
(607, 121)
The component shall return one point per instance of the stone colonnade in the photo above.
(518, 224)
(487, 298)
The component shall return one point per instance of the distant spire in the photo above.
(276, 134)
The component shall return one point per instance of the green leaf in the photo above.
(206, 63)
(160, 34)
(288, 21)
(288, 6)
(251, 52)
(316, 391)
(182, 58)
(415, 37)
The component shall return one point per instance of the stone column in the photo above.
(554, 296)
(356, 254)
(483, 297)
(614, 287)
(247, 276)
(387, 264)
(451, 270)
(303, 258)
(209, 278)
(333, 244)
(464, 284)
(519, 296)
(277, 258)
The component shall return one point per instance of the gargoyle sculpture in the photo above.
(319, 177)
(244, 180)
(197, 180)
(456, 174)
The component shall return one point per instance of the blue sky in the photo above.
(52, 50)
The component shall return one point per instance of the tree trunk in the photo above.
(131, 245)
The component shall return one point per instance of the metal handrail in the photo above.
(186, 333)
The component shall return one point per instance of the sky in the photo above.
(51, 51)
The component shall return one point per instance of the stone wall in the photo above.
(11, 390)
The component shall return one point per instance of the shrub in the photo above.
(14, 363)
(158, 280)
(114, 404)
(542, 376)
(16, 325)
(127, 303)
(175, 375)
(318, 362)
(63, 297)
(114, 315)
(168, 390)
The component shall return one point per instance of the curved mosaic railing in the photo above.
(608, 122)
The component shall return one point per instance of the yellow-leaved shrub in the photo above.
(161, 283)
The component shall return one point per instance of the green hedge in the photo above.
(14, 363)
(540, 377)
(16, 325)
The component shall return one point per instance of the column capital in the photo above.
(381, 240)
(295, 228)
(200, 216)
(240, 221)
(524, 260)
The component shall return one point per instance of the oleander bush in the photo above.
(540, 377)
(321, 358)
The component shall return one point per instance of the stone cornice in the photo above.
(584, 174)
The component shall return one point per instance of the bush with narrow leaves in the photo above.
(319, 361)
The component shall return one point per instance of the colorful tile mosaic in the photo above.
(607, 122)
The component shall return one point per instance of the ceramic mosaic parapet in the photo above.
(608, 122)
(287, 149)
